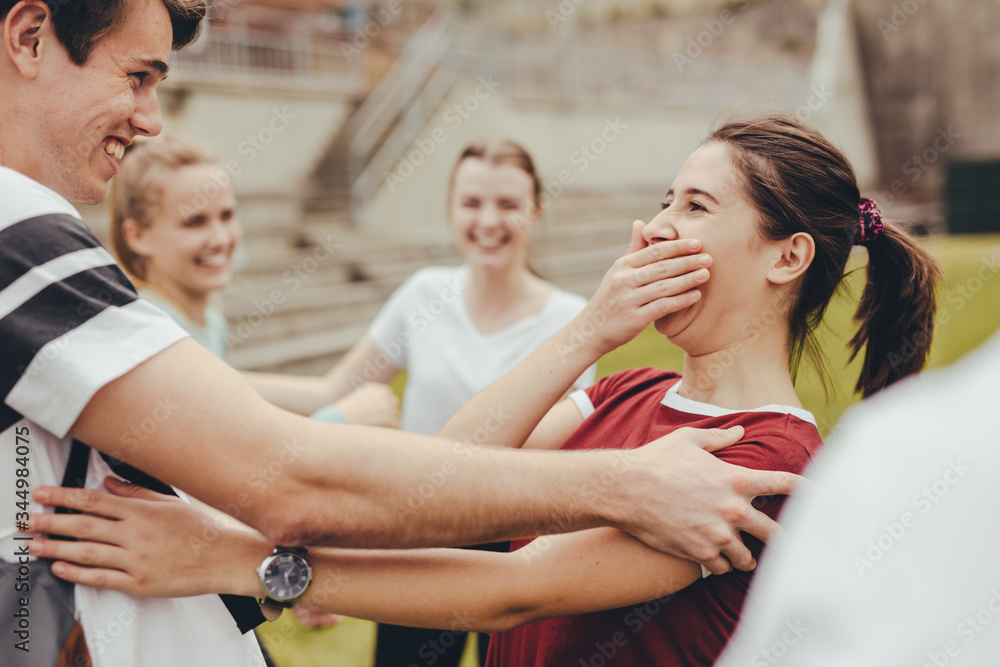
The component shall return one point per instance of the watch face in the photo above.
(286, 576)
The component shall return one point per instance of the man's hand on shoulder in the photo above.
(690, 504)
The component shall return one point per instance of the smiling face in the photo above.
(189, 243)
(706, 202)
(491, 209)
(74, 121)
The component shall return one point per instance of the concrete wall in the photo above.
(270, 141)
(604, 148)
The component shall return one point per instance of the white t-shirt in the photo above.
(70, 322)
(891, 558)
(425, 328)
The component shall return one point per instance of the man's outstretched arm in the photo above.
(306, 482)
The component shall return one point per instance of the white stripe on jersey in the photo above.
(40, 277)
(65, 374)
(24, 198)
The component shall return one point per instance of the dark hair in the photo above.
(79, 24)
(799, 182)
(501, 151)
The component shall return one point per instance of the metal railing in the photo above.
(298, 56)
(400, 105)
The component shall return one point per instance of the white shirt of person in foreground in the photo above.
(892, 557)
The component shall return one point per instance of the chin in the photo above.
(675, 324)
(89, 193)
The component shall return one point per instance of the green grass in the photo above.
(968, 313)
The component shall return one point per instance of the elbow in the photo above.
(293, 519)
(312, 517)
(507, 619)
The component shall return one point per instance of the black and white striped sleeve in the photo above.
(70, 320)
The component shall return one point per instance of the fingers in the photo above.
(638, 241)
(771, 483)
(674, 267)
(714, 439)
(83, 500)
(737, 553)
(718, 565)
(759, 525)
(663, 250)
(93, 576)
(668, 304)
(81, 553)
(79, 526)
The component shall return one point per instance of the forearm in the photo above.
(407, 490)
(483, 591)
(304, 482)
(301, 395)
(510, 408)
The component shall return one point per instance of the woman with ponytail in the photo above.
(754, 238)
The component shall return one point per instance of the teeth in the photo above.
(216, 260)
(489, 243)
(114, 148)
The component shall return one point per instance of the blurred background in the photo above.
(339, 122)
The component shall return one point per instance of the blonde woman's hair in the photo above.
(137, 191)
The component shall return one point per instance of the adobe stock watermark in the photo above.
(563, 12)
(588, 495)
(956, 299)
(292, 278)
(791, 633)
(454, 116)
(258, 481)
(818, 97)
(417, 322)
(582, 158)
(924, 501)
(434, 480)
(920, 163)
(713, 29)
(898, 17)
(634, 621)
(139, 433)
(967, 630)
(250, 149)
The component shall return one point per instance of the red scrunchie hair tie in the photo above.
(870, 225)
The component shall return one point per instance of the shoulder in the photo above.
(774, 441)
(25, 199)
(631, 382)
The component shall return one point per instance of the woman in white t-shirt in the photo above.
(457, 329)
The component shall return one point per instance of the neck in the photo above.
(191, 306)
(500, 289)
(745, 374)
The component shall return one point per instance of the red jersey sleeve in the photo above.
(623, 381)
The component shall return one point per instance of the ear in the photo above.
(796, 255)
(136, 237)
(27, 30)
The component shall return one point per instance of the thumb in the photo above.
(712, 440)
(638, 242)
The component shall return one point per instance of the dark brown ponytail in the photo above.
(896, 314)
(799, 182)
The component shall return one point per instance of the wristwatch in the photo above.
(284, 577)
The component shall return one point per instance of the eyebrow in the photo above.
(159, 66)
(695, 191)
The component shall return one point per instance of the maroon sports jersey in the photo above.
(690, 627)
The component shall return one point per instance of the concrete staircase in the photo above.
(304, 298)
